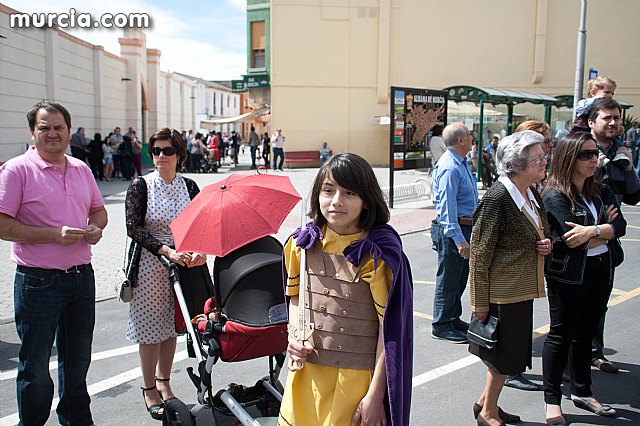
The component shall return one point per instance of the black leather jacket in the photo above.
(564, 264)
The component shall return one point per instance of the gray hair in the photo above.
(513, 152)
(453, 132)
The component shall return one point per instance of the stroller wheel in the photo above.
(177, 413)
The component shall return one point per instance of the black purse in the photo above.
(617, 254)
(484, 334)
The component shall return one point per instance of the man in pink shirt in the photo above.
(52, 212)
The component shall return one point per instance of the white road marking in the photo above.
(423, 378)
(98, 387)
(53, 365)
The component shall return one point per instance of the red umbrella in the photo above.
(233, 212)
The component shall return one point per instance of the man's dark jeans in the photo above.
(278, 152)
(253, 156)
(451, 278)
(50, 304)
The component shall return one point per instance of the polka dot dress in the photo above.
(151, 309)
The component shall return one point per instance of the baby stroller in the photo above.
(247, 320)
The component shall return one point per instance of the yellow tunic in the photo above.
(321, 395)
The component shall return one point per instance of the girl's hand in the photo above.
(612, 212)
(197, 259)
(370, 412)
(576, 236)
(298, 353)
(544, 247)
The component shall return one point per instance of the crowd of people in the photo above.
(538, 231)
(535, 224)
(115, 156)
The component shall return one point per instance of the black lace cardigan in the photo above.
(136, 211)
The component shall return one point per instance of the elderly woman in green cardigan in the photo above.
(508, 245)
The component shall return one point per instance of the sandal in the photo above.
(162, 396)
(156, 411)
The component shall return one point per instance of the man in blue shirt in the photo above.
(456, 197)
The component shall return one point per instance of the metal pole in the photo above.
(582, 38)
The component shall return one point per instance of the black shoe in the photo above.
(460, 325)
(452, 336)
(155, 411)
(522, 383)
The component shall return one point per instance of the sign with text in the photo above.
(414, 113)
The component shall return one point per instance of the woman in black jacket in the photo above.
(585, 224)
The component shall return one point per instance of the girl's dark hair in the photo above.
(97, 137)
(562, 164)
(353, 173)
(176, 140)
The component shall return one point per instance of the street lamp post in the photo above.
(582, 39)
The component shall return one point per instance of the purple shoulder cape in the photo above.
(383, 242)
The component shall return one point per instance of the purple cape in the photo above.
(383, 242)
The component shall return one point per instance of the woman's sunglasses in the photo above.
(167, 150)
(587, 155)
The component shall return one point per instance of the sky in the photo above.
(202, 38)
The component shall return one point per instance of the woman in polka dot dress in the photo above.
(152, 202)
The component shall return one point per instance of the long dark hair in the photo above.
(353, 173)
(562, 164)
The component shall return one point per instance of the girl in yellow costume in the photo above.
(344, 378)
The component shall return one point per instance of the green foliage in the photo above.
(628, 119)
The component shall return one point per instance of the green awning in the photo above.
(497, 96)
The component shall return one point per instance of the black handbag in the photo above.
(617, 254)
(484, 334)
(125, 279)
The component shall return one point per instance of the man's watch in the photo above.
(597, 231)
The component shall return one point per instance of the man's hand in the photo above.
(464, 249)
(93, 235)
(67, 235)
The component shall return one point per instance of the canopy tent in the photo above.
(482, 95)
(460, 111)
(213, 122)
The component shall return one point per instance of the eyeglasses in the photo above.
(587, 155)
(167, 150)
(547, 141)
(540, 160)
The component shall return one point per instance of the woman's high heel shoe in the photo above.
(156, 411)
(161, 396)
(483, 422)
(504, 416)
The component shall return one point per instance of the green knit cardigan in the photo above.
(504, 264)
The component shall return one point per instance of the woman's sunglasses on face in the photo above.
(167, 151)
(587, 155)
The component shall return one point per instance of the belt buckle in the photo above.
(73, 270)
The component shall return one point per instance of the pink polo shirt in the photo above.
(38, 193)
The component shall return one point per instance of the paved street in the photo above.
(447, 380)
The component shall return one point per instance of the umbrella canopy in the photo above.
(233, 212)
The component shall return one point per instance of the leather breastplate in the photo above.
(343, 311)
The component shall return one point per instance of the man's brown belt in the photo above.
(465, 220)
